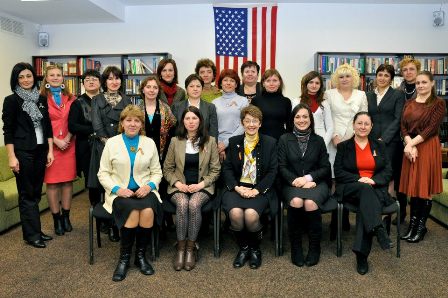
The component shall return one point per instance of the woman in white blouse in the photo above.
(345, 101)
(313, 95)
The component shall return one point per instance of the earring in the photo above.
(47, 86)
(62, 86)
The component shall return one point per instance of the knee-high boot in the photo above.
(58, 227)
(66, 220)
(295, 219)
(412, 229)
(243, 254)
(254, 246)
(314, 219)
(403, 200)
(127, 241)
(141, 243)
(424, 210)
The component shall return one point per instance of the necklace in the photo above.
(409, 93)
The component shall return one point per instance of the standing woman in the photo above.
(60, 175)
(313, 95)
(191, 168)
(28, 137)
(194, 85)
(410, 67)
(158, 116)
(167, 73)
(249, 172)
(206, 69)
(385, 107)
(130, 174)
(345, 101)
(275, 107)
(106, 110)
(250, 87)
(228, 108)
(80, 125)
(306, 173)
(421, 172)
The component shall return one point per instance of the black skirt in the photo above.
(232, 199)
(318, 194)
(122, 207)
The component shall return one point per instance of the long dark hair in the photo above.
(202, 135)
(300, 106)
(304, 97)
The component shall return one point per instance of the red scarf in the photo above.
(169, 90)
(314, 105)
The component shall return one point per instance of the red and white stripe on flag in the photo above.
(261, 39)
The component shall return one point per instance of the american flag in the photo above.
(245, 33)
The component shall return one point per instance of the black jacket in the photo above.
(386, 116)
(346, 170)
(266, 153)
(105, 118)
(291, 163)
(18, 128)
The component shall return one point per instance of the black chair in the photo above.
(170, 207)
(388, 210)
(100, 214)
(330, 205)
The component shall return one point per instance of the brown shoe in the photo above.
(180, 255)
(190, 255)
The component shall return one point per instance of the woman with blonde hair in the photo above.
(60, 175)
(409, 68)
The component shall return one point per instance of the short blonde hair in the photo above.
(132, 111)
(408, 60)
(342, 70)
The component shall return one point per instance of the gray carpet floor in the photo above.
(62, 269)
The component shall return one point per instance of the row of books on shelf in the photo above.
(68, 68)
(137, 66)
(132, 86)
(88, 63)
(367, 65)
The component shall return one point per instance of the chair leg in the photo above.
(215, 237)
(339, 231)
(153, 244)
(398, 230)
(218, 232)
(98, 232)
(91, 258)
(277, 230)
(281, 229)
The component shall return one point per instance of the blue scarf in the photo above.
(56, 91)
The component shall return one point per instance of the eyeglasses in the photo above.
(93, 80)
(253, 121)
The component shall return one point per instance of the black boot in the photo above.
(243, 254)
(403, 200)
(412, 229)
(295, 219)
(314, 219)
(66, 220)
(58, 228)
(141, 243)
(362, 266)
(113, 233)
(425, 209)
(382, 237)
(254, 249)
(127, 240)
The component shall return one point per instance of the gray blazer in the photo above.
(208, 111)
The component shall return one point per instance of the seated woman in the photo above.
(130, 182)
(191, 168)
(363, 171)
(306, 173)
(249, 172)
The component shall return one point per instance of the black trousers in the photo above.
(368, 217)
(29, 187)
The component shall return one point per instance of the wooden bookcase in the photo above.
(135, 67)
(367, 63)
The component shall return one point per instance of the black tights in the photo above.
(240, 218)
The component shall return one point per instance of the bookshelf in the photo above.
(135, 67)
(367, 63)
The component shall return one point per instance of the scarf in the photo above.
(250, 162)
(56, 91)
(313, 103)
(170, 90)
(29, 106)
(303, 137)
(112, 98)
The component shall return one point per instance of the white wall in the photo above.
(13, 49)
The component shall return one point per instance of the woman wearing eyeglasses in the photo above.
(345, 101)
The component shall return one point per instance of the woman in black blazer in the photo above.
(29, 143)
(362, 171)
(194, 85)
(249, 172)
(306, 175)
(385, 108)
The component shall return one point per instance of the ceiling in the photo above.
(110, 11)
